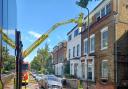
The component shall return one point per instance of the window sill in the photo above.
(104, 80)
(92, 54)
(104, 48)
(86, 54)
(92, 51)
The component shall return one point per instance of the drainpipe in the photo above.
(115, 52)
(88, 31)
(116, 16)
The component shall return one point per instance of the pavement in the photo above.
(32, 84)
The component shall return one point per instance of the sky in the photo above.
(35, 17)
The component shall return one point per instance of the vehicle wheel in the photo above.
(42, 87)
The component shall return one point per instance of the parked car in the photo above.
(38, 77)
(50, 82)
(34, 75)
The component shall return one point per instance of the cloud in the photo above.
(34, 34)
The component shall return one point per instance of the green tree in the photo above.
(35, 64)
(8, 60)
(82, 3)
(43, 60)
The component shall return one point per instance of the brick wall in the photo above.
(59, 54)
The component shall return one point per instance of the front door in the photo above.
(75, 69)
(83, 70)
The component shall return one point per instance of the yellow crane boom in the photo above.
(25, 53)
(7, 39)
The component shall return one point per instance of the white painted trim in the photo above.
(92, 65)
(92, 36)
(97, 9)
(102, 31)
(85, 40)
(102, 68)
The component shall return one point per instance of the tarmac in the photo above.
(31, 85)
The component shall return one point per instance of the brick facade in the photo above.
(116, 53)
(59, 56)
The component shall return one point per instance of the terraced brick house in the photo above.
(59, 58)
(105, 60)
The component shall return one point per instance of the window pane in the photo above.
(105, 69)
(90, 73)
(105, 39)
(97, 16)
(86, 46)
(103, 12)
(92, 42)
(78, 50)
(69, 53)
(76, 33)
(73, 51)
(108, 8)
(69, 37)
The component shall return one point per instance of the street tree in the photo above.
(43, 60)
(82, 3)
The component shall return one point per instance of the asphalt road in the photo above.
(32, 84)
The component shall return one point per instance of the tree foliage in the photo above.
(82, 3)
(43, 61)
(8, 60)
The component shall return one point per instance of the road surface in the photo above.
(32, 84)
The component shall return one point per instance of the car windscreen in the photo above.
(53, 79)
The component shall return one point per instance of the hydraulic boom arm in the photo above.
(78, 21)
(7, 40)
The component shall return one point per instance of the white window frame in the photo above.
(92, 36)
(99, 14)
(69, 53)
(104, 10)
(86, 39)
(78, 50)
(74, 49)
(69, 36)
(102, 72)
(102, 31)
(106, 7)
(90, 66)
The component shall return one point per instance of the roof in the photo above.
(95, 8)
(72, 30)
(86, 16)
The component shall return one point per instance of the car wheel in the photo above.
(42, 87)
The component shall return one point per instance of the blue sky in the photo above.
(35, 17)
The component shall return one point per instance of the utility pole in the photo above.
(19, 60)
